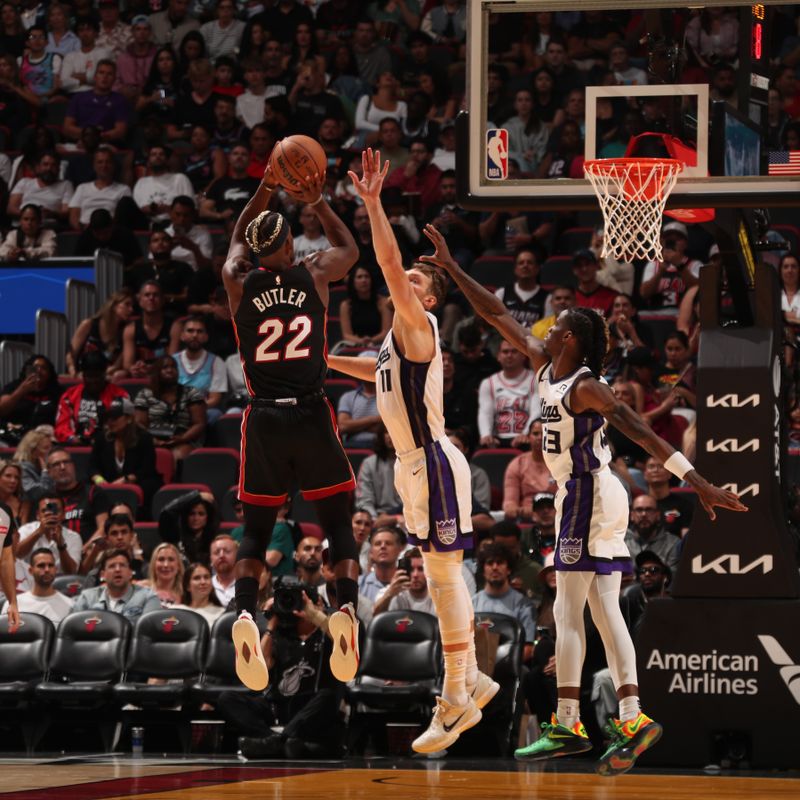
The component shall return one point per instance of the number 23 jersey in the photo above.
(573, 444)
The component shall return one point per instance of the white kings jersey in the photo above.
(573, 444)
(410, 394)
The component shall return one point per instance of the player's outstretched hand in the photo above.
(269, 180)
(441, 257)
(310, 189)
(370, 184)
(711, 496)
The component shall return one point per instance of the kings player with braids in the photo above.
(591, 513)
(289, 436)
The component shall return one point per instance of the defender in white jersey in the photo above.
(7, 565)
(431, 475)
(592, 513)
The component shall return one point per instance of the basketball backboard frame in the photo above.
(693, 190)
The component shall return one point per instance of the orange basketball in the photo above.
(295, 157)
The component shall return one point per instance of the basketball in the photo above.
(295, 157)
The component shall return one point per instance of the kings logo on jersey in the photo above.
(569, 550)
(497, 154)
(446, 531)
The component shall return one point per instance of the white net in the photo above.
(632, 195)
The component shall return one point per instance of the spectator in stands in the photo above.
(190, 522)
(118, 534)
(524, 571)
(191, 243)
(174, 415)
(43, 598)
(616, 275)
(281, 548)
(789, 279)
(417, 123)
(102, 333)
(172, 24)
(203, 163)
(103, 192)
(629, 457)
(678, 374)
(308, 559)
(446, 24)
(418, 176)
(503, 234)
(408, 589)
(540, 541)
(30, 400)
(250, 104)
(223, 563)
(199, 369)
(150, 335)
(199, 595)
(277, 78)
(195, 103)
(507, 401)
(227, 196)
(386, 544)
(473, 361)
(114, 34)
(389, 141)
(357, 414)
(343, 77)
(173, 276)
(12, 31)
(625, 325)
(564, 158)
(60, 39)
(497, 596)
(384, 103)
(589, 293)
(336, 20)
(524, 298)
(676, 509)
(313, 238)
(375, 488)
(310, 101)
(31, 455)
(527, 135)
(11, 492)
(224, 34)
(364, 315)
(262, 141)
(191, 49)
(50, 533)
(124, 453)
(18, 101)
(45, 190)
(561, 298)
(646, 532)
(118, 592)
(460, 402)
(101, 232)
(373, 58)
(165, 575)
(653, 579)
(479, 478)
(79, 66)
(160, 90)
(82, 405)
(135, 60)
(712, 35)
(459, 226)
(227, 130)
(526, 476)
(362, 528)
(29, 242)
(39, 71)
(665, 282)
(154, 193)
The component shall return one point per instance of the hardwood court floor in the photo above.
(120, 778)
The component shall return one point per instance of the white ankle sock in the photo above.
(455, 668)
(629, 708)
(568, 712)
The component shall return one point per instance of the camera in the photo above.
(405, 564)
(51, 508)
(288, 596)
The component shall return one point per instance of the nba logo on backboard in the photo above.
(497, 154)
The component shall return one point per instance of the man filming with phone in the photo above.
(49, 531)
(408, 588)
(665, 282)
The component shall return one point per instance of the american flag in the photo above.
(784, 162)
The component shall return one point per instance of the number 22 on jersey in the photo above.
(273, 329)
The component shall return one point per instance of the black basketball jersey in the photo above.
(148, 349)
(280, 328)
(526, 312)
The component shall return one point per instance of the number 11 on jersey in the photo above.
(385, 380)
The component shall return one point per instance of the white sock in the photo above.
(471, 674)
(629, 708)
(455, 668)
(568, 712)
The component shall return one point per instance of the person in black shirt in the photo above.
(310, 102)
(173, 276)
(101, 232)
(289, 434)
(8, 529)
(282, 18)
(227, 131)
(149, 336)
(195, 105)
(227, 196)
(30, 400)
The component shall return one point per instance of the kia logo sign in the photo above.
(732, 446)
(732, 400)
(729, 564)
(753, 489)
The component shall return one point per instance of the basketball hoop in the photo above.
(632, 193)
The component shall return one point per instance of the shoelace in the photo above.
(612, 730)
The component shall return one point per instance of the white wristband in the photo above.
(318, 200)
(678, 464)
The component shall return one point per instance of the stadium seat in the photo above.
(356, 456)
(149, 537)
(495, 460)
(165, 464)
(333, 331)
(791, 233)
(336, 387)
(660, 325)
(226, 509)
(133, 385)
(557, 271)
(129, 493)
(227, 431)
(69, 585)
(66, 243)
(573, 239)
(493, 270)
(170, 491)
(80, 457)
(87, 660)
(216, 466)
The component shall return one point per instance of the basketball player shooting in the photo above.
(591, 512)
(7, 580)
(431, 475)
(288, 429)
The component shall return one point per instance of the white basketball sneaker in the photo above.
(485, 689)
(448, 723)
(343, 628)
(251, 668)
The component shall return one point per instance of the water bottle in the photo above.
(137, 742)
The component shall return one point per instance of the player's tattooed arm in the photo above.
(592, 395)
(361, 368)
(489, 306)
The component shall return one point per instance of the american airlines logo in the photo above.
(753, 489)
(732, 401)
(731, 446)
(730, 564)
(789, 671)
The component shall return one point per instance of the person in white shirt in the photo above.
(200, 369)
(507, 401)
(223, 561)
(619, 63)
(43, 598)
(223, 35)
(190, 243)
(45, 190)
(250, 104)
(49, 532)
(408, 588)
(154, 192)
(102, 192)
(77, 69)
(199, 595)
(312, 239)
